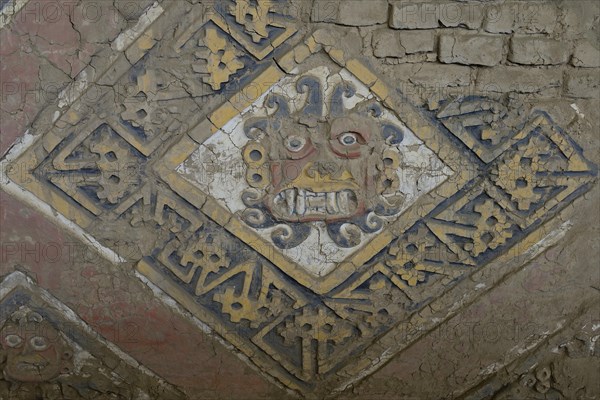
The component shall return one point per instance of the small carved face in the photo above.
(34, 350)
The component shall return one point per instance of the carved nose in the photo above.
(324, 177)
(322, 170)
(27, 350)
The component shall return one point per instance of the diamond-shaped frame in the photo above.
(215, 121)
(257, 50)
(448, 149)
(24, 177)
(203, 13)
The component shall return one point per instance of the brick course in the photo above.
(432, 15)
(471, 49)
(503, 79)
(390, 43)
(538, 51)
(523, 17)
(583, 83)
(586, 54)
(363, 13)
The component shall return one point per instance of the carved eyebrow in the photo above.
(374, 109)
(314, 102)
(392, 134)
(337, 104)
(255, 124)
(260, 123)
(283, 108)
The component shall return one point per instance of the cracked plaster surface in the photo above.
(110, 297)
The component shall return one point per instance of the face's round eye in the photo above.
(348, 139)
(295, 143)
(13, 340)
(38, 343)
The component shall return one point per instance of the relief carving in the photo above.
(33, 350)
(148, 105)
(565, 369)
(339, 168)
(47, 353)
(305, 217)
(118, 174)
(218, 59)
(254, 16)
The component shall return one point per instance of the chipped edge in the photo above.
(10, 10)
(18, 279)
(126, 38)
(207, 330)
(19, 147)
(546, 242)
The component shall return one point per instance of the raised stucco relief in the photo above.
(287, 195)
(47, 352)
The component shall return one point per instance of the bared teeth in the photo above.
(332, 206)
(343, 199)
(299, 202)
(316, 201)
(290, 198)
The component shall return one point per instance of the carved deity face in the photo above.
(317, 166)
(319, 171)
(33, 349)
(320, 168)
